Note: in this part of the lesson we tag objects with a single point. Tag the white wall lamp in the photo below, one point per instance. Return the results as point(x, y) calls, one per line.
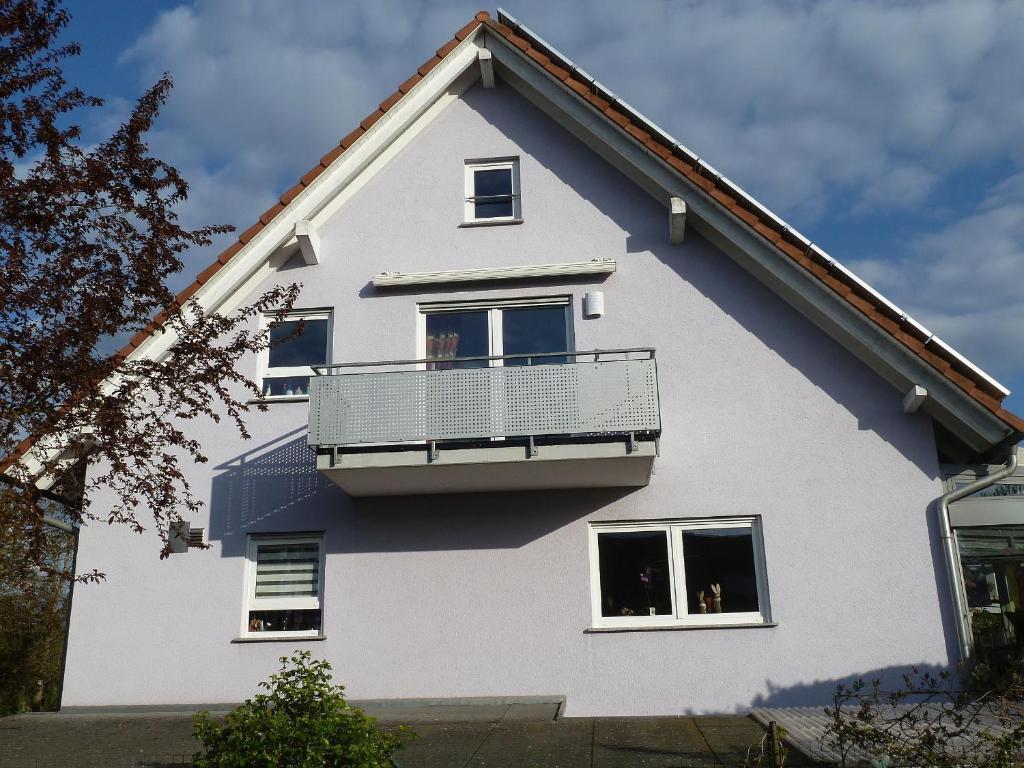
point(593, 304)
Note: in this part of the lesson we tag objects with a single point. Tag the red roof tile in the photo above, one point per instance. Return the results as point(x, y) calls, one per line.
point(331, 156)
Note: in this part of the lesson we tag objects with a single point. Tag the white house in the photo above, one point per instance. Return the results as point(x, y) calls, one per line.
point(572, 416)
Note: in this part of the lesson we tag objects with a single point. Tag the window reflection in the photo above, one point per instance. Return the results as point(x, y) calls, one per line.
point(494, 183)
point(307, 348)
point(535, 329)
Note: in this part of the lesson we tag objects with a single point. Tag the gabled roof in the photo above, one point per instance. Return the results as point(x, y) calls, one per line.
point(898, 326)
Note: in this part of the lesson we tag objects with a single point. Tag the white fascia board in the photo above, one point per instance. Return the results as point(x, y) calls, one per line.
point(595, 267)
point(873, 345)
point(738, 191)
point(231, 284)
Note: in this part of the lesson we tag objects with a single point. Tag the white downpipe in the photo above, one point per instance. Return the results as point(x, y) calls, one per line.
point(952, 556)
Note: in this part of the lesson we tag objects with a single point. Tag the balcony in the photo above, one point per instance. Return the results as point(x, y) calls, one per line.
point(482, 424)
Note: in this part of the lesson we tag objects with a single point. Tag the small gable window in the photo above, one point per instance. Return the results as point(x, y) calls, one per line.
point(288, 364)
point(492, 191)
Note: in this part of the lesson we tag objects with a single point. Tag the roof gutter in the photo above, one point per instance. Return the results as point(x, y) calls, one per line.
point(952, 557)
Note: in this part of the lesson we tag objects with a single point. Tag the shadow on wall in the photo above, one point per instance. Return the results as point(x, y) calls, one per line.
point(819, 693)
point(276, 488)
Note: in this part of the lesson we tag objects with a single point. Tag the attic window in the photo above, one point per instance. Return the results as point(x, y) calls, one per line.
point(492, 191)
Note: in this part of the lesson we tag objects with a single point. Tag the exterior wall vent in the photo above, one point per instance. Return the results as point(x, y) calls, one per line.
point(182, 536)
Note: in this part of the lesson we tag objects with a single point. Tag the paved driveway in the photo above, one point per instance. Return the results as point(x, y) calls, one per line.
point(459, 736)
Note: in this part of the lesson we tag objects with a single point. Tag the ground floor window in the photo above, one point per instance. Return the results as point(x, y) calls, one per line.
point(700, 571)
point(284, 585)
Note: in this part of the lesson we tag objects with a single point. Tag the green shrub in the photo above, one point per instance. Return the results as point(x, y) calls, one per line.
point(943, 720)
point(301, 721)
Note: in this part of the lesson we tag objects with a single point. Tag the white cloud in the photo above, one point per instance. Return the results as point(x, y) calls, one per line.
point(964, 280)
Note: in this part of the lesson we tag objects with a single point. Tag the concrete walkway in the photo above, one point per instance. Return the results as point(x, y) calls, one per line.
point(481, 736)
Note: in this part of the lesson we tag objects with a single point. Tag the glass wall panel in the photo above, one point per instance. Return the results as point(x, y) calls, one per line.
point(993, 576)
point(999, 490)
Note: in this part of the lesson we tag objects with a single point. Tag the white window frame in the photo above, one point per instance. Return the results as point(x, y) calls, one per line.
point(493, 308)
point(266, 372)
point(253, 603)
point(469, 211)
point(680, 617)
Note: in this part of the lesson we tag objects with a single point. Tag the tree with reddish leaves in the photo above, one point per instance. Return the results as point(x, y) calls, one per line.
point(88, 240)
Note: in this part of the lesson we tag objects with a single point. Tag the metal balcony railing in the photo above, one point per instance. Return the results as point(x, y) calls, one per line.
point(601, 392)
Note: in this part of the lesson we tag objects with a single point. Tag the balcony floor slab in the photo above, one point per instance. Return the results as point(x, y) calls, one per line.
point(488, 469)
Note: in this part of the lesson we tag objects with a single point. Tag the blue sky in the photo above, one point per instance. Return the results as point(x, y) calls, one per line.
point(891, 133)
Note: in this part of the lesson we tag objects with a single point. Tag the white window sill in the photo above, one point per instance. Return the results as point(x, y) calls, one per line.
point(277, 638)
point(677, 627)
point(489, 223)
point(280, 399)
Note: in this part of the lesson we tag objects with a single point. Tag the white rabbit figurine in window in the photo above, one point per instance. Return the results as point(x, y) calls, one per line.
point(700, 602)
point(716, 598)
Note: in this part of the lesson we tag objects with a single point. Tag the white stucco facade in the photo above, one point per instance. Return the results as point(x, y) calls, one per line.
point(489, 594)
